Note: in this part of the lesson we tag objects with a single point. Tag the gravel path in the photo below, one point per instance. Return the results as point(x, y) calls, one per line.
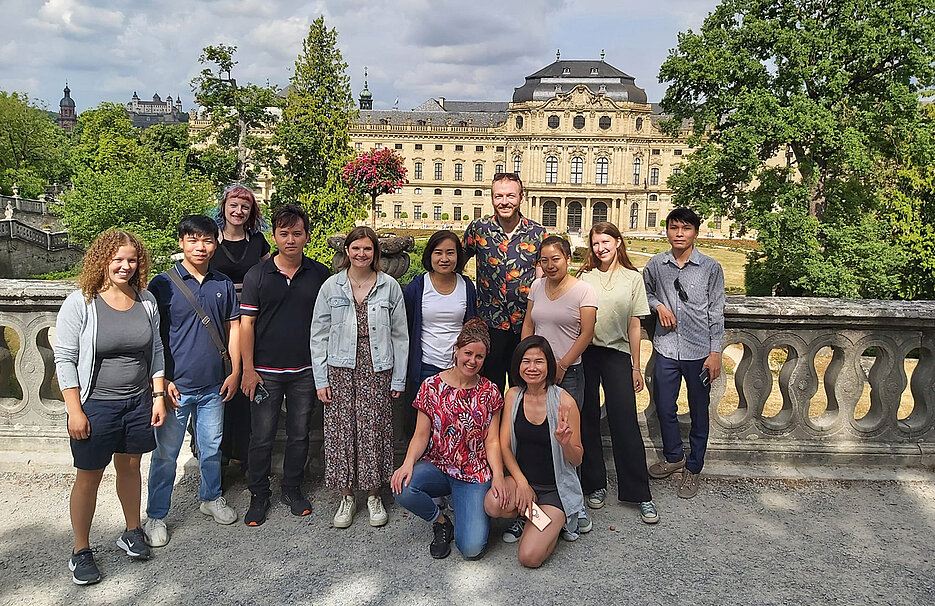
point(739, 542)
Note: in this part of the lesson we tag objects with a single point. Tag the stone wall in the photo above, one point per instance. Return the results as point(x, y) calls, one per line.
point(869, 341)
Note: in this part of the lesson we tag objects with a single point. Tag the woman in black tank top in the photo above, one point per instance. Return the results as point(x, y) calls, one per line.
point(532, 463)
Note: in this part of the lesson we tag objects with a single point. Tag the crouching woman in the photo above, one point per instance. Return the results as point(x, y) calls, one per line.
point(540, 443)
point(456, 430)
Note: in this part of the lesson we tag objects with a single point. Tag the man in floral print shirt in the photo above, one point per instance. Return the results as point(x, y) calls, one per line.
point(507, 248)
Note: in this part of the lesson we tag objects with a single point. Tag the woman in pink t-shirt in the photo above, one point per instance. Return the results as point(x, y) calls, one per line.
point(455, 449)
point(562, 309)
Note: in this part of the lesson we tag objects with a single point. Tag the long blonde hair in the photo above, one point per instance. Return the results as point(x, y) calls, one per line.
point(592, 262)
point(93, 278)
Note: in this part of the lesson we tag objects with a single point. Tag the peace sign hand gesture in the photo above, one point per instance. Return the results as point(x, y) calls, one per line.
point(563, 433)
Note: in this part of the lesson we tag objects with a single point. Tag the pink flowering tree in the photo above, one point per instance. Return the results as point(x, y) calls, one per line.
point(375, 172)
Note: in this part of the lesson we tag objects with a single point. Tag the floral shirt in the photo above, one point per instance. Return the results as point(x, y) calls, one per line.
point(460, 420)
point(506, 267)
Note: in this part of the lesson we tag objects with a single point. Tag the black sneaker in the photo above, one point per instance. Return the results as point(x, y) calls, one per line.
point(256, 514)
point(84, 570)
point(296, 501)
point(441, 544)
point(134, 543)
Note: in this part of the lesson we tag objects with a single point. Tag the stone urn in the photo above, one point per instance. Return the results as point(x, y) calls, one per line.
point(394, 253)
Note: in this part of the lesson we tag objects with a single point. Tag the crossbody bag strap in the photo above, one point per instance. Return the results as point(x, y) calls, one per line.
point(200, 312)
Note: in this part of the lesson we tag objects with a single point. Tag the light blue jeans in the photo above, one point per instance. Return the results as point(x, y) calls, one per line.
point(206, 407)
point(472, 525)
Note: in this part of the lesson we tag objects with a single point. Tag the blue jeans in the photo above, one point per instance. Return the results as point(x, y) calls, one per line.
point(206, 408)
point(467, 499)
point(573, 383)
point(428, 371)
point(667, 379)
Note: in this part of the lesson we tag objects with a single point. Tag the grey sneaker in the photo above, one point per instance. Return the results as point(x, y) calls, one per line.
point(515, 531)
point(648, 512)
point(570, 536)
point(134, 543)
point(584, 523)
point(689, 486)
point(83, 569)
point(596, 499)
point(664, 469)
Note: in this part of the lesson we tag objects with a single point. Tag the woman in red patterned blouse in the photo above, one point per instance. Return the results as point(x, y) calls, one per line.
point(455, 449)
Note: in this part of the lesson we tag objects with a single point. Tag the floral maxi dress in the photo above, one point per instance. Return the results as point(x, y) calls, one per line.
point(358, 423)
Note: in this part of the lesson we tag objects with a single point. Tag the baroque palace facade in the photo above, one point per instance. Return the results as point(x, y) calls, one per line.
point(581, 134)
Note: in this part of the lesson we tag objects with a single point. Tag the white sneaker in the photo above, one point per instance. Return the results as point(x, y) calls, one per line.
point(155, 532)
point(378, 515)
point(219, 510)
point(346, 510)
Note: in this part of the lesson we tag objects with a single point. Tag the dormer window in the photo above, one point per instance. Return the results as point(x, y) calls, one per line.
point(593, 71)
point(566, 71)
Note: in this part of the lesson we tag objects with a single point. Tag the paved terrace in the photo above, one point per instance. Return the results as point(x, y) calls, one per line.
point(741, 541)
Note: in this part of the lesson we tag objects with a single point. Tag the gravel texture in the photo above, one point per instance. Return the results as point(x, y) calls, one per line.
point(740, 541)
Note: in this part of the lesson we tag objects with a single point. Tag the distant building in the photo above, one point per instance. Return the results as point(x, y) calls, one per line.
point(146, 113)
point(67, 118)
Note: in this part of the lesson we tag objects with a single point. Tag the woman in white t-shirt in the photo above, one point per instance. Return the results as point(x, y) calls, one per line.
point(438, 303)
point(613, 360)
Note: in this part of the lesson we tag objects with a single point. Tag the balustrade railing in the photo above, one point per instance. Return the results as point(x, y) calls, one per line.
point(806, 380)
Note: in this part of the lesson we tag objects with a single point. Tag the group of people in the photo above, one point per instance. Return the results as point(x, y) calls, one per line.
point(226, 336)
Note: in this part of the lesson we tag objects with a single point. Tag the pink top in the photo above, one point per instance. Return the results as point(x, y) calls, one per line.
point(460, 420)
point(559, 321)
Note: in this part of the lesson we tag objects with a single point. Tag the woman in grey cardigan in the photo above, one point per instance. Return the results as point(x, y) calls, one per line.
point(540, 442)
point(108, 358)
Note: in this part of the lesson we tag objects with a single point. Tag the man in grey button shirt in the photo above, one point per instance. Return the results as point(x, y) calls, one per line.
point(686, 289)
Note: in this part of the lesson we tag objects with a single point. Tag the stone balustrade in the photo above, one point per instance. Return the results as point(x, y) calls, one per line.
point(869, 344)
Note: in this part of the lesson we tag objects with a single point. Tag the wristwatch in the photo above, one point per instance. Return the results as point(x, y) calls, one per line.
point(159, 394)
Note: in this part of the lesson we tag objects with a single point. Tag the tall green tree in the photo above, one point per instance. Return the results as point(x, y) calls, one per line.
point(105, 138)
point(312, 140)
point(33, 149)
point(797, 109)
point(239, 114)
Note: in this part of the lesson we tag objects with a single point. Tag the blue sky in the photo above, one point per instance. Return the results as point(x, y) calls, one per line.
point(413, 49)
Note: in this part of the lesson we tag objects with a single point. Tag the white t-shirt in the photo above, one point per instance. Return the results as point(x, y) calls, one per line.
point(559, 321)
point(442, 319)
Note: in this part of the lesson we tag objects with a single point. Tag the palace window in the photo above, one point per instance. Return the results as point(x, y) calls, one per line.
point(677, 152)
point(635, 216)
point(417, 173)
point(457, 213)
point(478, 193)
point(397, 211)
point(600, 173)
point(437, 215)
point(438, 148)
point(651, 219)
point(577, 168)
point(457, 192)
point(519, 122)
point(416, 211)
point(459, 148)
point(578, 122)
point(418, 146)
point(636, 171)
point(604, 122)
point(398, 146)
point(676, 170)
point(654, 176)
point(438, 191)
point(478, 172)
point(551, 169)
point(459, 171)
point(477, 212)
point(500, 148)
point(639, 124)
point(598, 213)
point(498, 168)
point(656, 152)
point(417, 191)
point(517, 164)
point(553, 121)
point(549, 214)
point(438, 170)
point(479, 148)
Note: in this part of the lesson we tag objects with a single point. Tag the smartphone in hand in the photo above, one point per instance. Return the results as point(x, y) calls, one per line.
point(538, 517)
point(260, 394)
point(705, 377)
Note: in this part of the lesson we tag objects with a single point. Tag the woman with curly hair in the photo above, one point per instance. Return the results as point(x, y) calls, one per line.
point(108, 358)
point(241, 245)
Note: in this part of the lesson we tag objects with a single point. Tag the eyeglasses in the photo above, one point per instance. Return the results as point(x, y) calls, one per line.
point(507, 176)
point(682, 294)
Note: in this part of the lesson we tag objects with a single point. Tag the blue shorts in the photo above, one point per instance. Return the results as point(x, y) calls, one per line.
point(117, 426)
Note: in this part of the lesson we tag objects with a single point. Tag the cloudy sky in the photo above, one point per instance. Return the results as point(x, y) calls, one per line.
point(413, 49)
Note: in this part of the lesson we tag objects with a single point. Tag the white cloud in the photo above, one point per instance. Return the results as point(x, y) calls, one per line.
point(71, 18)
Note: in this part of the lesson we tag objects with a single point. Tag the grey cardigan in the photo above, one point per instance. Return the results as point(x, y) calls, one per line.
point(566, 478)
point(76, 342)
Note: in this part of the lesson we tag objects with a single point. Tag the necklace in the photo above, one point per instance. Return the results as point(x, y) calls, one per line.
point(363, 282)
point(557, 291)
point(609, 284)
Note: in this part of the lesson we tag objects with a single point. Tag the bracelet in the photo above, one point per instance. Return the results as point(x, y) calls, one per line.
point(159, 394)
point(562, 366)
point(638, 370)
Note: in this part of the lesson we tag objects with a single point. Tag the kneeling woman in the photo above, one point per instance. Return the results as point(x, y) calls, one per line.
point(540, 442)
point(456, 429)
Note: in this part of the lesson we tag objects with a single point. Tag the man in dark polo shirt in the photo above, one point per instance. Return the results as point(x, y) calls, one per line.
point(196, 381)
point(277, 302)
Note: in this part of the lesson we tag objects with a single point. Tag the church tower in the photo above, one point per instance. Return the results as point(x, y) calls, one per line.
point(67, 118)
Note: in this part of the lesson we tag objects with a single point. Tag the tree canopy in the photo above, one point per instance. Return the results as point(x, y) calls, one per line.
point(799, 110)
point(33, 149)
point(312, 144)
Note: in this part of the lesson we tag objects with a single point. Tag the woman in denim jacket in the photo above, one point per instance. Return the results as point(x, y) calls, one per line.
point(359, 345)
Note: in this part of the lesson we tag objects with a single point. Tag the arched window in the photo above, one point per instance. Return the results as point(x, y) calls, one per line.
point(600, 172)
point(549, 214)
point(653, 197)
point(636, 171)
point(635, 216)
point(598, 213)
point(517, 164)
point(438, 191)
point(498, 168)
point(577, 168)
point(519, 122)
point(574, 217)
point(457, 192)
point(438, 170)
point(478, 193)
point(418, 171)
point(551, 169)
point(654, 176)
point(639, 124)
point(417, 191)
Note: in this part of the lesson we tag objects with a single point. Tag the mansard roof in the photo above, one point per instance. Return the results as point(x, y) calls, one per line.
point(562, 76)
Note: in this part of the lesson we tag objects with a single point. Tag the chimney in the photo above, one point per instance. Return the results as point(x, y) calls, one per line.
point(441, 101)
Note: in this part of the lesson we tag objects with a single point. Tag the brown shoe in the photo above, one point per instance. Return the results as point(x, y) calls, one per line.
point(689, 485)
point(664, 469)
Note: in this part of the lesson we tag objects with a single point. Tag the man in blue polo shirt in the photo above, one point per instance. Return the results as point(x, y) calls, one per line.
point(197, 381)
point(278, 298)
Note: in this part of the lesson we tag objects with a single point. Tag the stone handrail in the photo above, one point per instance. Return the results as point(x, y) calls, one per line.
point(39, 207)
point(15, 229)
point(32, 414)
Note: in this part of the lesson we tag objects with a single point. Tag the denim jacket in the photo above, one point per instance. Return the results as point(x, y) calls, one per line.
point(334, 329)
